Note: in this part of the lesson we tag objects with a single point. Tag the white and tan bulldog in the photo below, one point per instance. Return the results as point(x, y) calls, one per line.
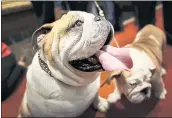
point(64, 76)
point(146, 74)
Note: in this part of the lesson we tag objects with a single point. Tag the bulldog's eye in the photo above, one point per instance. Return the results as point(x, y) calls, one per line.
point(133, 83)
point(78, 23)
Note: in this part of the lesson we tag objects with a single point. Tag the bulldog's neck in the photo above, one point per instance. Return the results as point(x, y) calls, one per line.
point(63, 74)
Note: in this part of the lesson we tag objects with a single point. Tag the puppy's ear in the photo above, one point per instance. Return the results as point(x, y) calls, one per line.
point(113, 75)
point(120, 76)
point(38, 36)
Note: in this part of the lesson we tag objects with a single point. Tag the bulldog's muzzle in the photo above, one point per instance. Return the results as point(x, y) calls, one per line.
point(92, 63)
point(138, 92)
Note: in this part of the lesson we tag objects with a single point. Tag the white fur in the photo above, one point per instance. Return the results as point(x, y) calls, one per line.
point(47, 97)
point(101, 104)
point(115, 95)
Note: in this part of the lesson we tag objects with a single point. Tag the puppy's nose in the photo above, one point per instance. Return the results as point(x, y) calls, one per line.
point(145, 91)
point(97, 18)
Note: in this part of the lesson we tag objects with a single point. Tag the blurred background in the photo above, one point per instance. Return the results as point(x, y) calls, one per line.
point(20, 19)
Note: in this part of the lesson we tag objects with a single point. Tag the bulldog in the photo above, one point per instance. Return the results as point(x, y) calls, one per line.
point(64, 76)
point(146, 74)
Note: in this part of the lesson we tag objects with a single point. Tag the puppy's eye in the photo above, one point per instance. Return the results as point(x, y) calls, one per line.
point(133, 83)
point(78, 23)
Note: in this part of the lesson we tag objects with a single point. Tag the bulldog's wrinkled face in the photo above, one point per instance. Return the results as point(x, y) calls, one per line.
point(135, 85)
point(138, 88)
point(74, 40)
point(90, 35)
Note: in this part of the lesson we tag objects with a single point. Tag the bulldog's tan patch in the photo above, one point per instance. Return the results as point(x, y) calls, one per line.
point(59, 30)
point(152, 41)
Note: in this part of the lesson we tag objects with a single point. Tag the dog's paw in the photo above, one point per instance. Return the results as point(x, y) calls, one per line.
point(101, 104)
point(19, 116)
point(163, 72)
point(161, 95)
point(112, 98)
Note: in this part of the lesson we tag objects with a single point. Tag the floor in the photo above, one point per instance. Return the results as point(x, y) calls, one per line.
point(150, 108)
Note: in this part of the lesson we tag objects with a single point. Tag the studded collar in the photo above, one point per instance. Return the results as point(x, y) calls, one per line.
point(44, 66)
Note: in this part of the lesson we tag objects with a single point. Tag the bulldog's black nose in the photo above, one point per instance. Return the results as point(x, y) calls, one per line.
point(145, 91)
point(97, 18)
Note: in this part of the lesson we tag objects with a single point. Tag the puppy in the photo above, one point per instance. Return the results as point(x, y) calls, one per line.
point(146, 74)
point(64, 76)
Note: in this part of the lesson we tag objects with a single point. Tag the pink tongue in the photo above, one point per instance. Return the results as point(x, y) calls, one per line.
point(113, 58)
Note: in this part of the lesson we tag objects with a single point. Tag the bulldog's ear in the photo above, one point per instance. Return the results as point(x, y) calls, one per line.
point(39, 35)
point(114, 75)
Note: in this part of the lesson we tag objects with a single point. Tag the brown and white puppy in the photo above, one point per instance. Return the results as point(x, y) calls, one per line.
point(64, 76)
point(146, 74)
